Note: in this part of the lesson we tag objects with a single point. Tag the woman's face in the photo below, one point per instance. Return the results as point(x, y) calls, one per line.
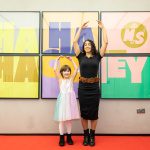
point(87, 47)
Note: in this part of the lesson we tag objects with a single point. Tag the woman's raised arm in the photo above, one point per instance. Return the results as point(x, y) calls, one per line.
point(104, 39)
point(75, 42)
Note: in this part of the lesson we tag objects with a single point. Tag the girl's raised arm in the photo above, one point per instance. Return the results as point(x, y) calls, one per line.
point(75, 67)
point(56, 68)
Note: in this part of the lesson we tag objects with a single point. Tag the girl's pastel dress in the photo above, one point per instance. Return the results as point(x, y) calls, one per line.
point(66, 105)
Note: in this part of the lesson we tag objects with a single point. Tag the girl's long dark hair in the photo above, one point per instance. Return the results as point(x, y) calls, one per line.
point(93, 47)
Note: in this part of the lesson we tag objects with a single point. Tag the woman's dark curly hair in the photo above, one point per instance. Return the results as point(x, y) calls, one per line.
point(93, 47)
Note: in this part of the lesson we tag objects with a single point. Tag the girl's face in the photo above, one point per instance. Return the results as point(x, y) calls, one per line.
point(87, 47)
point(66, 74)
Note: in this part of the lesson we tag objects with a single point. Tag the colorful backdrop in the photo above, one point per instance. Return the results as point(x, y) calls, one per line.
point(124, 73)
point(19, 76)
point(59, 29)
point(126, 77)
point(19, 32)
point(128, 32)
point(50, 88)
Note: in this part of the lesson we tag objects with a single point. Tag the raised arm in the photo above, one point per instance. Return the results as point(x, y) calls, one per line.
point(75, 42)
point(56, 68)
point(75, 67)
point(104, 39)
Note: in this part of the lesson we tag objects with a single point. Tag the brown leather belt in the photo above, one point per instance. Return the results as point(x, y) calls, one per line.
point(89, 80)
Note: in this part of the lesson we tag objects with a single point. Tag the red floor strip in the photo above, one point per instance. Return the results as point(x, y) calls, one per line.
point(51, 143)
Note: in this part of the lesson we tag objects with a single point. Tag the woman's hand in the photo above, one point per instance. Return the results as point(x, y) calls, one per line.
point(84, 25)
point(100, 24)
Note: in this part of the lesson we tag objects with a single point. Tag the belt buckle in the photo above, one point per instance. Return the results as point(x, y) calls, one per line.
point(85, 80)
point(90, 80)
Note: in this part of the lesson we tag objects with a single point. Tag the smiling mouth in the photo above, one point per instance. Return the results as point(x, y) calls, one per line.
point(88, 48)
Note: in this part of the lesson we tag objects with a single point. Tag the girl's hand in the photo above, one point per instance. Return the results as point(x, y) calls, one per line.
point(100, 24)
point(68, 57)
point(84, 25)
point(60, 57)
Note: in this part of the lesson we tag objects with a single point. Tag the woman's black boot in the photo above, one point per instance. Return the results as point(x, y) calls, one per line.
point(69, 139)
point(86, 137)
point(61, 140)
point(92, 137)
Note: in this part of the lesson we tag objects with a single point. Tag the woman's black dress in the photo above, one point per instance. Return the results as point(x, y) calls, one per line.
point(89, 93)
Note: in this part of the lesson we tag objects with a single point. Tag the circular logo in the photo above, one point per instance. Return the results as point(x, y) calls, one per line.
point(134, 34)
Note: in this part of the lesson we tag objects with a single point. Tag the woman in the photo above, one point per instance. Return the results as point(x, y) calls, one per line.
point(88, 91)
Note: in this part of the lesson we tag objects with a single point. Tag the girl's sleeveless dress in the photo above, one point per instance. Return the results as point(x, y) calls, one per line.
point(66, 106)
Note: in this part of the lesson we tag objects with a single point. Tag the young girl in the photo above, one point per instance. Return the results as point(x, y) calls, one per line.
point(66, 108)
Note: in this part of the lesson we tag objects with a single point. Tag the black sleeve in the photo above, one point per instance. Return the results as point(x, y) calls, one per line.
point(80, 56)
point(99, 56)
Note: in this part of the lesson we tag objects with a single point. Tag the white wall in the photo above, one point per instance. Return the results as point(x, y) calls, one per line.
point(36, 116)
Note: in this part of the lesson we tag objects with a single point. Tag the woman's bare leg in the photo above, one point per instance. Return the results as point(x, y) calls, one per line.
point(93, 124)
point(84, 123)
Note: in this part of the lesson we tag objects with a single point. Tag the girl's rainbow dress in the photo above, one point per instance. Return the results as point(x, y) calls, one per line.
point(66, 107)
